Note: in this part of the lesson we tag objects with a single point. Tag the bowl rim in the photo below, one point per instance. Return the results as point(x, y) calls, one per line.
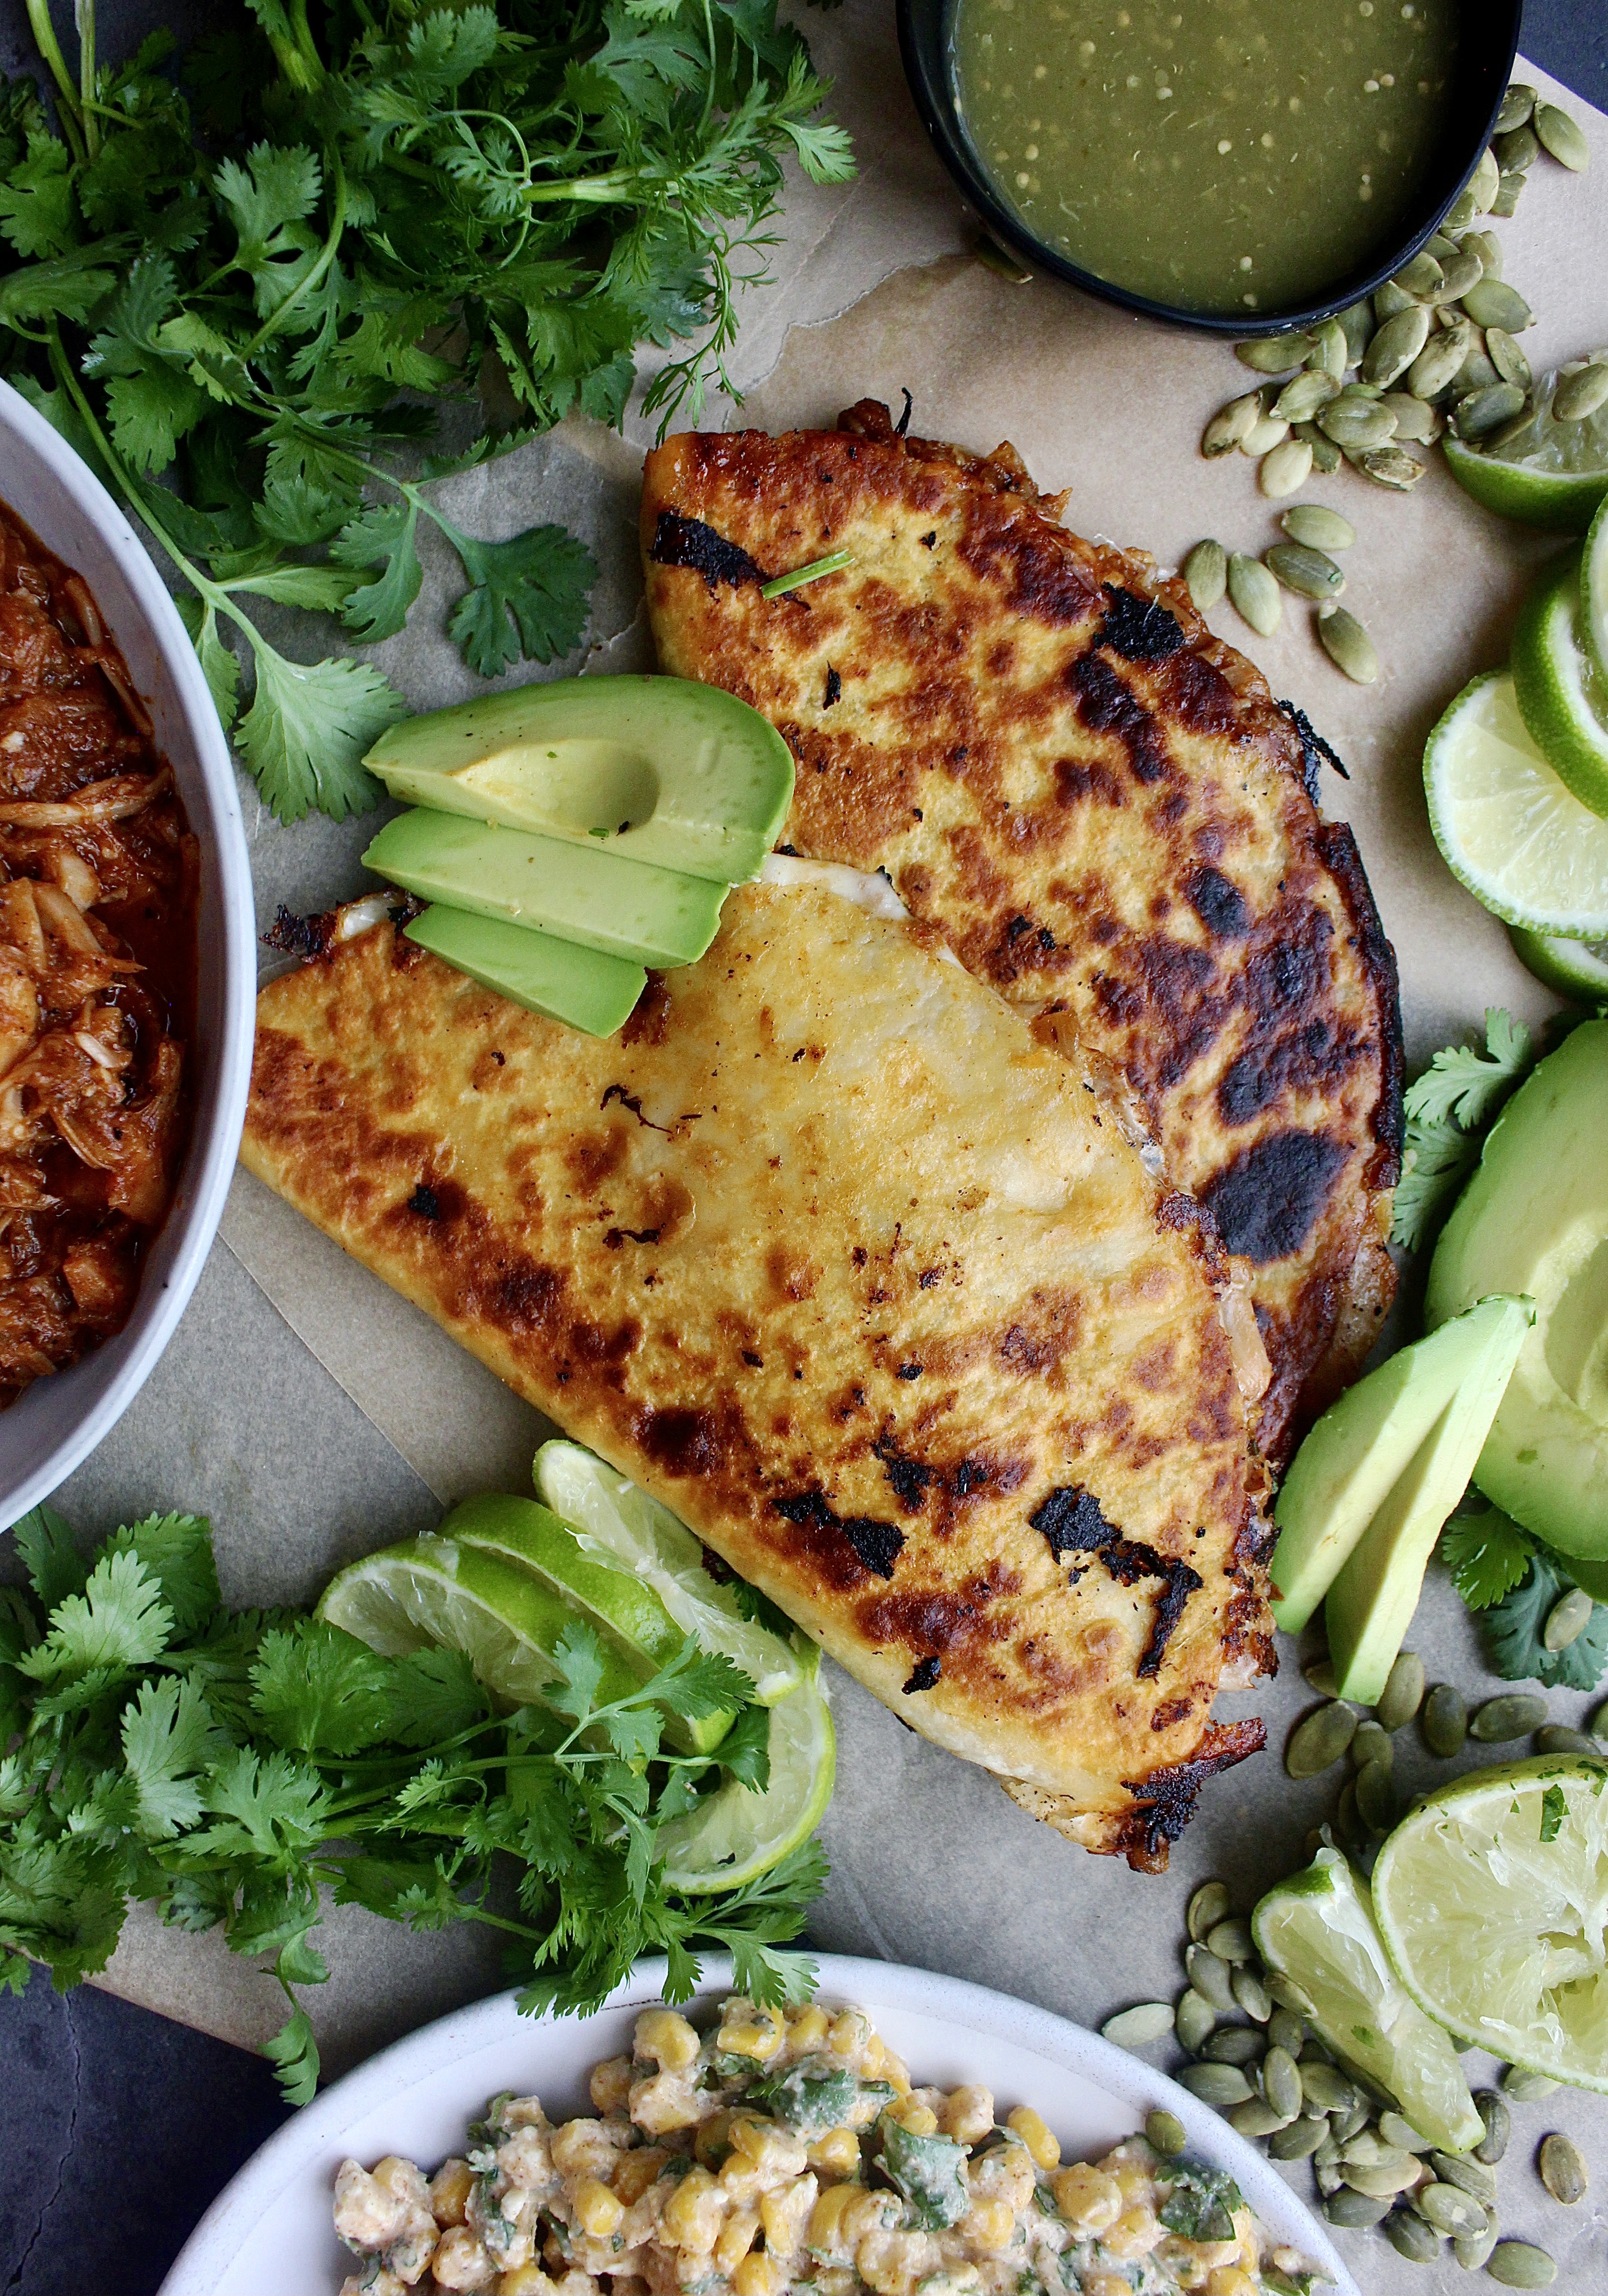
point(934, 102)
point(220, 1106)
point(302, 2149)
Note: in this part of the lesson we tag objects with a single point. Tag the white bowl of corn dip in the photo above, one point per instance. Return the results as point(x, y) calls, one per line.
point(905, 2135)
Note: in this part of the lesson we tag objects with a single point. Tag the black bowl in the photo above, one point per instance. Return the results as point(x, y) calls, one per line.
point(1490, 38)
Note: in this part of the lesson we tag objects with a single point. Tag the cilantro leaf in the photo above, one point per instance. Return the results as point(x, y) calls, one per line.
point(269, 1807)
point(176, 1550)
point(1200, 2201)
point(437, 1697)
point(38, 211)
point(119, 1620)
point(930, 2173)
point(307, 730)
point(44, 1545)
point(1487, 1555)
point(1513, 1631)
point(528, 596)
point(1448, 1111)
point(220, 667)
point(745, 1752)
point(294, 2054)
point(579, 1656)
point(316, 1688)
point(1554, 1810)
point(168, 1738)
point(381, 536)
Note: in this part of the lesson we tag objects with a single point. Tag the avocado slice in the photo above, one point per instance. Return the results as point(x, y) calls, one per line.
point(1344, 1471)
point(559, 978)
point(1371, 1604)
point(660, 769)
point(1534, 1218)
point(626, 908)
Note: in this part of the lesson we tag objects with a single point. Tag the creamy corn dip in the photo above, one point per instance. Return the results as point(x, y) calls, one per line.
point(1217, 155)
point(784, 2152)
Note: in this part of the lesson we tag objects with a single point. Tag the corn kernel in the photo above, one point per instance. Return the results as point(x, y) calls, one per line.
point(895, 2070)
point(848, 2034)
point(1029, 2126)
point(611, 2084)
point(1107, 2283)
point(838, 2152)
point(597, 2210)
point(756, 2276)
point(1090, 2199)
point(990, 2223)
point(759, 2035)
point(449, 2191)
point(666, 2037)
point(1228, 2280)
point(918, 2119)
point(826, 2226)
point(637, 2171)
point(1136, 2232)
point(967, 2112)
point(692, 2214)
point(784, 2213)
point(460, 2261)
point(807, 2028)
point(1133, 2180)
point(739, 2179)
point(751, 2136)
point(737, 2238)
point(525, 2280)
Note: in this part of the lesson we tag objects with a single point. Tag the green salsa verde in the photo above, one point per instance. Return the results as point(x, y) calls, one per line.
point(1223, 156)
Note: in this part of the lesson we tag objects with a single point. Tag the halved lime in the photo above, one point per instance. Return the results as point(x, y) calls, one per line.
point(1576, 968)
point(1319, 1929)
point(1552, 474)
point(624, 1526)
point(737, 1834)
point(1490, 1896)
point(1594, 588)
point(1561, 698)
point(1509, 830)
point(624, 1610)
point(429, 1591)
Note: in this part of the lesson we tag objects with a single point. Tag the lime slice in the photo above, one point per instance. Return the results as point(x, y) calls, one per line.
point(1490, 1897)
point(1552, 474)
point(1576, 968)
point(624, 1526)
point(1319, 1929)
point(1562, 699)
point(624, 1610)
point(433, 1591)
point(1509, 828)
point(737, 1834)
point(1594, 588)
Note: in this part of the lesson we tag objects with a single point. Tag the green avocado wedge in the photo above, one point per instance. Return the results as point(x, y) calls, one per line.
point(1371, 1604)
point(1345, 1471)
point(578, 893)
point(581, 986)
point(656, 769)
point(1534, 1218)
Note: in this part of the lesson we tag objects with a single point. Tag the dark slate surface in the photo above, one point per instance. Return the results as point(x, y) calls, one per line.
point(117, 2128)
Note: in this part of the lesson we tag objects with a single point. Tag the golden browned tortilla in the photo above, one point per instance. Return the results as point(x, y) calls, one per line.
point(830, 1255)
point(1101, 807)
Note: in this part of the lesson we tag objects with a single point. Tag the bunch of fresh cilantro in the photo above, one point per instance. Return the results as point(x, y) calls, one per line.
point(228, 1767)
point(246, 285)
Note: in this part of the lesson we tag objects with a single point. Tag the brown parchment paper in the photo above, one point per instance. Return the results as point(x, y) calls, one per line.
point(315, 1415)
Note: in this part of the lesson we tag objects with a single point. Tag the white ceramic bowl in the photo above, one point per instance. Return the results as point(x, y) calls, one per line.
point(269, 2231)
point(58, 1420)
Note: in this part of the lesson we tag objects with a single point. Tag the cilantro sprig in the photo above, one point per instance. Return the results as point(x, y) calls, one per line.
point(1449, 1109)
point(230, 1767)
point(250, 289)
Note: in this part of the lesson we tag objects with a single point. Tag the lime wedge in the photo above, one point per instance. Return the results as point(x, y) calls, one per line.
point(623, 1608)
point(1594, 590)
point(1319, 1929)
point(1490, 1898)
point(737, 1834)
point(1552, 474)
point(1576, 968)
point(1509, 830)
point(433, 1591)
point(624, 1526)
point(1562, 699)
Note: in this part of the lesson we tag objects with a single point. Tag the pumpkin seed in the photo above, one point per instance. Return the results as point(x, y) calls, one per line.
point(1145, 2021)
point(1516, 149)
point(1286, 469)
point(1256, 2117)
point(1305, 393)
point(1356, 424)
point(1366, 2149)
point(1348, 644)
point(1355, 2210)
point(1326, 454)
point(1450, 2209)
point(1440, 243)
point(1285, 2032)
point(1461, 213)
point(1320, 528)
point(1234, 2044)
point(1445, 1721)
point(1562, 2170)
point(1396, 344)
point(1209, 1904)
point(1562, 136)
point(1517, 104)
point(1520, 2264)
point(1416, 424)
point(1477, 372)
point(1521, 421)
point(1229, 425)
point(1230, 1941)
point(1578, 395)
point(1372, 1743)
point(1488, 247)
point(1319, 1672)
point(1252, 1995)
point(1486, 181)
point(1506, 357)
point(1493, 303)
point(1458, 273)
point(1282, 2083)
point(1275, 353)
point(1256, 600)
point(1506, 201)
point(1327, 2178)
point(1299, 2140)
point(1384, 2184)
point(1528, 2087)
point(1326, 2087)
point(1513, 1716)
point(1368, 393)
point(1192, 2019)
point(1556, 1739)
point(1410, 2237)
point(1347, 2125)
point(1377, 1798)
point(1499, 2125)
point(1359, 321)
point(1321, 1739)
point(1206, 578)
point(1403, 1693)
point(1487, 410)
point(1307, 572)
point(1210, 1977)
point(1401, 2134)
point(1388, 300)
point(1333, 354)
point(1220, 2086)
point(1267, 432)
point(1569, 1618)
point(1420, 277)
point(1468, 2176)
point(1439, 361)
point(1288, 1994)
point(1166, 2132)
point(1473, 2254)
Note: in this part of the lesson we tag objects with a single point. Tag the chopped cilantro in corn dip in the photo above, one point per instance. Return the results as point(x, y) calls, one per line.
point(789, 2151)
